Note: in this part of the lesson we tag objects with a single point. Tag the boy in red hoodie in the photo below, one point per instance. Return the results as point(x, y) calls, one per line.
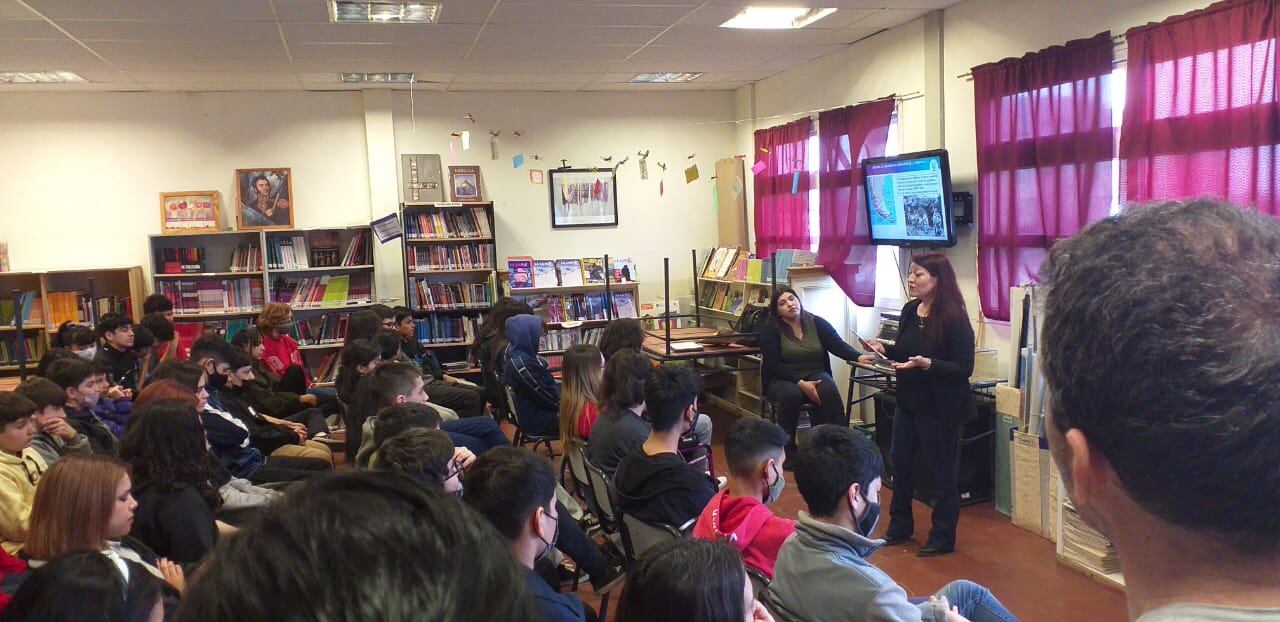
point(756, 451)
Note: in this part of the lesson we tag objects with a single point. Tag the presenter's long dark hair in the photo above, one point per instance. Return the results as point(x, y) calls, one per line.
point(948, 306)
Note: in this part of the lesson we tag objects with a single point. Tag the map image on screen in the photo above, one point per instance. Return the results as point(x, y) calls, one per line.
point(907, 200)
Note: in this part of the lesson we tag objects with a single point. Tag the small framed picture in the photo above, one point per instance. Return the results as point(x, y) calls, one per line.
point(190, 212)
point(264, 198)
point(583, 197)
point(464, 184)
point(536, 176)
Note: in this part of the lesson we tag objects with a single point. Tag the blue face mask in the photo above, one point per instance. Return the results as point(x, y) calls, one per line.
point(551, 544)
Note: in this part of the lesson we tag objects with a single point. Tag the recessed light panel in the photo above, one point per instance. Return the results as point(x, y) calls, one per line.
point(665, 78)
point(376, 78)
point(345, 12)
point(39, 77)
point(776, 18)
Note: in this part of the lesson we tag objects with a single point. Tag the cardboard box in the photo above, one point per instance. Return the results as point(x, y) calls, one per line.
point(1055, 501)
point(1009, 401)
point(1030, 483)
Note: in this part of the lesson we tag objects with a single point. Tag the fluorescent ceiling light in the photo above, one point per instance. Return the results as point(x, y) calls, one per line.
point(665, 78)
point(768, 17)
point(39, 77)
point(383, 12)
point(376, 78)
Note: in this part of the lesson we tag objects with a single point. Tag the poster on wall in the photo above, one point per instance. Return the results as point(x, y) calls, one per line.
point(583, 197)
point(264, 198)
point(421, 178)
point(464, 184)
point(190, 212)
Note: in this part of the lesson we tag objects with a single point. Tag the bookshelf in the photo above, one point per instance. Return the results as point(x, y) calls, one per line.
point(450, 280)
point(50, 298)
point(575, 314)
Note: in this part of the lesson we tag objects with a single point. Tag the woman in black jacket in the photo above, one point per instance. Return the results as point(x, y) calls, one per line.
point(795, 349)
point(934, 358)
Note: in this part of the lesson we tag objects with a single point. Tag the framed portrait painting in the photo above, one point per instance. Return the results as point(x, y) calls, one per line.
point(464, 184)
point(190, 212)
point(582, 197)
point(264, 199)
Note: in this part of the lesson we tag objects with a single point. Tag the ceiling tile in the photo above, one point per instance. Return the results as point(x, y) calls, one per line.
point(157, 10)
point(387, 53)
point(715, 36)
point(28, 29)
point(888, 18)
point(569, 35)
point(579, 65)
point(526, 78)
point(302, 10)
point(42, 55)
point(196, 33)
point(228, 77)
point(639, 65)
point(248, 53)
point(415, 65)
point(550, 52)
point(13, 10)
point(845, 36)
point(221, 86)
point(547, 14)
point(515, 86)
point(405, 34)
point(685, 54)
point(201, 64)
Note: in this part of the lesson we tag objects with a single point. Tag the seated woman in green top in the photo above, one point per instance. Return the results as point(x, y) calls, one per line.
point(795, 349)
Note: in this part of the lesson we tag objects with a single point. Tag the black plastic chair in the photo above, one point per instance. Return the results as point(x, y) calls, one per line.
point(522, 437)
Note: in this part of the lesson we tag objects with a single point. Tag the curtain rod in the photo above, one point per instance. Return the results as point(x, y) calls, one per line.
point(896, 98)
point(1117, 43)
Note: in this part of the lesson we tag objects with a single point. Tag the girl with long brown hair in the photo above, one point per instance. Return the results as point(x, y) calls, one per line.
point(933, 357)
point(579, 406)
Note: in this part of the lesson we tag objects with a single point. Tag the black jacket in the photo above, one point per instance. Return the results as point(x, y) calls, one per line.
point(265, 396)
point(661, 489)
point(176, 523)
point(942, 390)
point(101, 440)
point(123, 366)
point(264, 436)
point(772, 367)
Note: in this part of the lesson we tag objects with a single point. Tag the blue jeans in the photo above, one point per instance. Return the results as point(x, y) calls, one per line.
point(479, 434)
point(975, 602)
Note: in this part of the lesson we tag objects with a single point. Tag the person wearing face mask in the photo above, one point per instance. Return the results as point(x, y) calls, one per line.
point(78, 379)
point(654, 484)
point(740, 513)
point(823, 572)
point(80, 339)
point(515, 489)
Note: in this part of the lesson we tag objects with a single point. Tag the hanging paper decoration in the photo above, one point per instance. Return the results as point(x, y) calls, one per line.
point(466, 140)
point(795, 182)
point(737, 187)
point(690, 156)
point(517, 160)
point(518, 133)
point(691, 174)
point(659, 187)
point(758, 167)
point(662, 166)
point(620, 163)
point(644, 164)
point(470, 117)
point(493, 144)
point(607, 158)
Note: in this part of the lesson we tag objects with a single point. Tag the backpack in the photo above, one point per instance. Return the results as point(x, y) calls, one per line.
point(749, 323)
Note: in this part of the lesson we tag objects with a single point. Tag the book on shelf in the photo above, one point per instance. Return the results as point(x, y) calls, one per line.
point(447, 222)
point(568, 307)
point(767, 273)
point(359, 251)
point(438, 329)
point(544, 273)
point(451, 257)
point(327, 371)
point(246, 258)
point(593, 270)
point(443, 296)
point(570, 271)
point(754, 273)
point(565, 338)
point(186, 260)
point(624, 305)
point(329, 290)
point(520, 272)
point(286, 252)
point(327, 329)
point(735, 302)
point(740, 269)
point(727, 264)
point(213, 295)
point(713, 261)
point(624, 270)
point(35, 347)
point(75, 306)
point(29, 306)
point(324, 248)
point(757, 295)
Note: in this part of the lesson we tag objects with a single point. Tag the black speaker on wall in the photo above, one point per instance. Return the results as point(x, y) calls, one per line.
point(962, 207)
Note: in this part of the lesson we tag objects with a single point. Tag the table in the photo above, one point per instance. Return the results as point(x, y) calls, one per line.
point(656, 345)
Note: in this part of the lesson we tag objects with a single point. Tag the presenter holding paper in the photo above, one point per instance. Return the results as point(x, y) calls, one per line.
point(933, 358)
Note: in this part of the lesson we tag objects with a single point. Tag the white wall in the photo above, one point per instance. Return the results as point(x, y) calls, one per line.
point(82, 172)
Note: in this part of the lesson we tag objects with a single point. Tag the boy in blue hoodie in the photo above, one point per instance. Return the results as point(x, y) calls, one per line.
point(537, 396)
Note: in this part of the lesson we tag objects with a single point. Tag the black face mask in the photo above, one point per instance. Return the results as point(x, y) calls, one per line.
point(217, 382)
point(867, 523)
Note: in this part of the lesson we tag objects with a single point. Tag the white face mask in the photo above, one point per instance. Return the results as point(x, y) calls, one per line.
point(88, 353)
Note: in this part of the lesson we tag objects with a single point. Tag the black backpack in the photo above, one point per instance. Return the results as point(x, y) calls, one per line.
point(749, 323)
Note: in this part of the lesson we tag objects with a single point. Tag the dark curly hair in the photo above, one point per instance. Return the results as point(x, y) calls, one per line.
point(625, 333)
point(165, 444)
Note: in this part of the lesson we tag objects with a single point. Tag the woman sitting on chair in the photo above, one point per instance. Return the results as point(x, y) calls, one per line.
point(795, 349)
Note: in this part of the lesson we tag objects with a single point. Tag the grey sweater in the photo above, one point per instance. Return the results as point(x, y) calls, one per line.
point(52, 447)
point(822, 575)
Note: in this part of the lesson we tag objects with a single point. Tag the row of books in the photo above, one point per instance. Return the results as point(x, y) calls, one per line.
point(329, 290)
point(213, 296)
point(448, 222)
point(326, 329)
point(35, 347)
point(726, 263)
point(184, 260)
point(28, 305)
point(327, 371)
point(527, 272)
point(731, 297)
point(442, 329)
point(187, 331)
point(563, 339)
point(289, 251)
point(76, 307)
point(451, 257)
point(580, 307)
point(441, 296)
point(246, 258)
point(1085, 546)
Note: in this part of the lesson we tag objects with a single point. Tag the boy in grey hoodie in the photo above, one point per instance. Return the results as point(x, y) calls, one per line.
point(54, 436)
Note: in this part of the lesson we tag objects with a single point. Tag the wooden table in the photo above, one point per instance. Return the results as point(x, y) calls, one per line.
point(655, 345)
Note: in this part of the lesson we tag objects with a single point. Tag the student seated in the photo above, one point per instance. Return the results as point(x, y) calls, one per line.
point(79, 339)
point(398, 383)
point(359, 357)
point(823, 573)
point(660, 585)
point(393, 420)
point(13, 571)
point(79, 382)
point(739, 514)
point(158, 303)
point(535, 391)
point(116, 333)
point(87, 585)
point(20, 469)
point(165, 450)
point(425, 454)
point(583, 367)
point(166, 345)
point(54, 437)
point(269, 435)
point(654, 484)
point(489, 350)
point(114, 404)
point(229, 438)
point(465, 398)
point(516, 490)
point(84, 503)
point(408, 535)
point(1159, 337)
point(264, 392)
point(621, 428)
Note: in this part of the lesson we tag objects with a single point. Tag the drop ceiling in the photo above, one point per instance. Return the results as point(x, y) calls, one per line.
point(478, 45)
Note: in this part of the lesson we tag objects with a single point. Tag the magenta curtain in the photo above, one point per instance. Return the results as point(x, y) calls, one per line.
point(1202, 115)
point(782, 216)
point(1045, 150)
point(846, 136)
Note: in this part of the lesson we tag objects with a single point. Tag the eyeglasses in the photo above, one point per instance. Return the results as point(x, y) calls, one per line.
point(455, 470)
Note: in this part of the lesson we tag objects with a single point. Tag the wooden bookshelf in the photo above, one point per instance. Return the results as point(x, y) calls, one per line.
point(471, 228)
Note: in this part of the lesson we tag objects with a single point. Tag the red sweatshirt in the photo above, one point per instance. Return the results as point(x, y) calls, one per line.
point(281, 353)
point(749, 525)
point(9, 565)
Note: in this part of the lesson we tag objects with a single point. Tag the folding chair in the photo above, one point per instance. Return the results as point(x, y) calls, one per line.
point(522, 437)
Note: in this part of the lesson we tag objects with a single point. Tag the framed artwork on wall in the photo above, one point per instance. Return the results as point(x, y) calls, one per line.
point(190, 212)
point(264, 198)
point(536, 176)
point(464, 184)
point(583, 197)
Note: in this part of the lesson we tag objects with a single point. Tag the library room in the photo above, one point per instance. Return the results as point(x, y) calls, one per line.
point(639, 310)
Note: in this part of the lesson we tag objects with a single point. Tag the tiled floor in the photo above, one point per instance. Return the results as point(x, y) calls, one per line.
point(1017, 566)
